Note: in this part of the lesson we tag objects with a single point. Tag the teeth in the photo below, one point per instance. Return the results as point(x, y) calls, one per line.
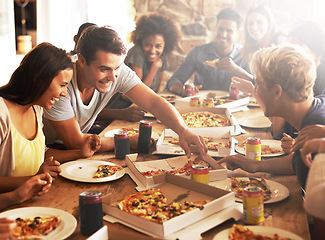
point(56, 99)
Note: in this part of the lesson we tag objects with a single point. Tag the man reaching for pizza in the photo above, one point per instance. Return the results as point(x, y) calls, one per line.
point(98, 74)
point(284, 82)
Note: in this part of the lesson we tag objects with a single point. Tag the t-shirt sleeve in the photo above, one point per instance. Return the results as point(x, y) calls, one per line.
point(128, 79)
point(135, 57)
point(60, 111)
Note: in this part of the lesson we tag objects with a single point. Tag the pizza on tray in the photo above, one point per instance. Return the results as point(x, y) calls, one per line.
point(151, 204)
point(265, 149)
point(204, 119)
point(130, 131)
point(169, 98)
point(220, 101)
point(238, 185)
point(211, 144)
point(212, 63)
point(239, 232)
point(35, 228)
point(106, 170)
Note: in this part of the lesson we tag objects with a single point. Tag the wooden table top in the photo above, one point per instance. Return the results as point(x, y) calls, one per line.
point(288, 214)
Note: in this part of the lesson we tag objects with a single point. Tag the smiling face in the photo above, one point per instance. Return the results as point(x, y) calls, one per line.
point(57, 89)
point(226, 34)
point(103, 71)
point(153, 47)
point(257, 26)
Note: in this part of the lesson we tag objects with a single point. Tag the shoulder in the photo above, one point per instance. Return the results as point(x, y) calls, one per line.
point(5, 123)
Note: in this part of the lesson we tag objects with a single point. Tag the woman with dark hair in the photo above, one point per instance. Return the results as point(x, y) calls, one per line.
point(155, 36)
point(39, 81)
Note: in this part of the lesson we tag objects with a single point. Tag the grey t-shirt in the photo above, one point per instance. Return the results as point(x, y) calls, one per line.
point(72, 105)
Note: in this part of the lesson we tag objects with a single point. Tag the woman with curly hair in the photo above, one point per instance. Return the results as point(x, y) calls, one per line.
point(154, 37)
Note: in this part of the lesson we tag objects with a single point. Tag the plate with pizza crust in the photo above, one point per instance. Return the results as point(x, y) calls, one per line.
point(272, 146)
point(265, 231)
point(279, 192)
point(66, 227)
point(255, 122)
point(111, 133)
point(84, 171)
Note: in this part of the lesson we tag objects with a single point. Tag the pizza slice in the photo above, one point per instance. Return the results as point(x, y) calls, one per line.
point(131, 131)
point(212, 63)
point(35, 228)
point(106, 170)
point(216, 145)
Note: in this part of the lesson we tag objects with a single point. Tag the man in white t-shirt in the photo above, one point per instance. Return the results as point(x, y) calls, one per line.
point(98, 74)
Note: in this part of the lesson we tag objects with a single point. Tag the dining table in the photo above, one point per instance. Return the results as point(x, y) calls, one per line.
point(288, 214)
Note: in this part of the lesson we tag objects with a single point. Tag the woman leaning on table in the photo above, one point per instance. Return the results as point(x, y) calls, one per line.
point(40, 80)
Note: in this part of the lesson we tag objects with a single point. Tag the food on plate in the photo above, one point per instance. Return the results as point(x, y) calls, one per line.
point(265, 149)
point(106, 170)
point(151, 204)
point(131, 131)
point(220, 101)
point(212, 63)
point(169, 98)
point(238, 185)
point(204, 119)
point(186, 169)
point(239, 232)
point(35, 227)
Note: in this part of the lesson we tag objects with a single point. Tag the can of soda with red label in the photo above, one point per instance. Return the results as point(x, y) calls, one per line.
point(233, 92)
point(200, 173)
point(253, 148)
point(121, 144)
point(144, 139)
point(189, 89)
point(253, 205)
point(91, 212)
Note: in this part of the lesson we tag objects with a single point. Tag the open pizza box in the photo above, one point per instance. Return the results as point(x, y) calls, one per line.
point(234, 127)
point(165, 147)
point(137, 165)
point(176, 189)
point(242, 101)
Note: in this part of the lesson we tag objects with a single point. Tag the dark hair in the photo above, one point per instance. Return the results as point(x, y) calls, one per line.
point(83, 27)
point(230, 14)
point(154, 24)
point(311, 34)
point(35, 74)
point(96, 38)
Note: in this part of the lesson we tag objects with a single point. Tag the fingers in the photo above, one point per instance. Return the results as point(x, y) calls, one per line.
point(95, 142)
point(306, 157)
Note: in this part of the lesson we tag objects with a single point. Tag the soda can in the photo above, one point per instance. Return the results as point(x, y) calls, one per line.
point(144, 139)
point(121, 144)
point(233, 92)
point(200, 173)
point(253, 205)
point(253, 148)
point(208, 102)
point(189, 89)
point(195, 102)
point(91, 212)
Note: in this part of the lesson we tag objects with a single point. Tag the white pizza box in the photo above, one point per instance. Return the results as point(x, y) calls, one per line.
point(137, 164)
point(176, 189)
point(166, 148)
point(234, 127)
point(242, 101)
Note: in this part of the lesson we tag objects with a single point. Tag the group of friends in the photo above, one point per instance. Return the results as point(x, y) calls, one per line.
point(50, 92)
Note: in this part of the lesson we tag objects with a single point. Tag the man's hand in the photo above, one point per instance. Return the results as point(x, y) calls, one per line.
point(315, 145)
point(243, 85)
point(91, 145)
point(187, 138)
point(307, 133)
point(50, 166)
point(239, 161)
point(287, 142)
point(132, 114)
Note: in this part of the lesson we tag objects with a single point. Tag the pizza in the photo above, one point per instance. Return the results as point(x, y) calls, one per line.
point(239, 232)
point(238, 185)
point(130, 131)
point(176, 140)
point(34, 227)
point(186, 169)
point(220, 101)
point(169, 98)
point(151, 204)
point(216, 145)
point(106, 170)
point(265, 149)
point(212, 63)
point(204, 119)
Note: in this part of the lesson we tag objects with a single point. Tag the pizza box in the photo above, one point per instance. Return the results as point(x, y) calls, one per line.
point(163, 146)
point(176, 189)
point(234, 127)
point(242, 101)
point(137, 164)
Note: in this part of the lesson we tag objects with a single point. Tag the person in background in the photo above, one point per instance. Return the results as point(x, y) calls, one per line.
point(100, 73)
point(259, 30)
point(39, 81)
point(231, 62)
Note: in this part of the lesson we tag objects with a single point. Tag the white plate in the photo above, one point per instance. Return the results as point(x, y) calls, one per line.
point(111, 133)
point(255, 122)
point(66, 227)
point(275, 144)
point(279, 192)
point(84, 170)
point(266, 231)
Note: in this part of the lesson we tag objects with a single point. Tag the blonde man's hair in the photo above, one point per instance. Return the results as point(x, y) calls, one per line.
point(286, 65)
